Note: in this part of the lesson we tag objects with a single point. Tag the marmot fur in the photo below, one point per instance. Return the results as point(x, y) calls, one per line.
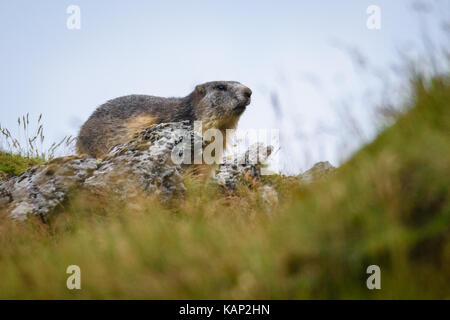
point(217, 104)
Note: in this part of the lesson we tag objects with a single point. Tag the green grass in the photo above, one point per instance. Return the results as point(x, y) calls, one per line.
point(388, 205)
point(12, 165)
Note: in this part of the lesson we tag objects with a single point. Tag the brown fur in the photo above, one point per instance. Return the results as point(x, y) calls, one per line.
point(138, 124)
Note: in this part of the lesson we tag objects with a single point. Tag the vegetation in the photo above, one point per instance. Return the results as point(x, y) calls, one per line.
point(19, 154)
point(28, 147)
point(11, 164)
point(389, 206)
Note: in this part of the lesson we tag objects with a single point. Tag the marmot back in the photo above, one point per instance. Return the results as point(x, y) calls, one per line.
point(217, 104)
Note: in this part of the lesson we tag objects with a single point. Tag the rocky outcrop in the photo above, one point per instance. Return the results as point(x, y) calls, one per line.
point(42, 188)
point(150, 165)
point(145, 165)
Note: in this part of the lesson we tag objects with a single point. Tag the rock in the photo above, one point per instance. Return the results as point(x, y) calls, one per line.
point(246, 167)
point(42, 188)
point(151, 164)
point(143, 165)
point(319, 171)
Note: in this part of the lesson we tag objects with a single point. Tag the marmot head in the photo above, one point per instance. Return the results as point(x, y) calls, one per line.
point(219, 104)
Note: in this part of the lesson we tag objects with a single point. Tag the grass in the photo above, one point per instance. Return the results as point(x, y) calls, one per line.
point(28, 142)
point(388, 205)
point(17, 154)
point(12, 164)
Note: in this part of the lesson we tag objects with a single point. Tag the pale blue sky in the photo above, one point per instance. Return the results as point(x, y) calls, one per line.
point(166, 47)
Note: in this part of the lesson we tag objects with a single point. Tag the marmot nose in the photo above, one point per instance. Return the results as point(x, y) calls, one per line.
point(247, 92)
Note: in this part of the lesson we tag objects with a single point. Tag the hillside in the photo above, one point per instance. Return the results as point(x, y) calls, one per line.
point(389, 205)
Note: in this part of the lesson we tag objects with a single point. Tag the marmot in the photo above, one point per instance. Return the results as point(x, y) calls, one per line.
point(218, 104)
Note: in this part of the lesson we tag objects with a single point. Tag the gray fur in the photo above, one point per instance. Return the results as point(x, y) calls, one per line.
point(109, 125)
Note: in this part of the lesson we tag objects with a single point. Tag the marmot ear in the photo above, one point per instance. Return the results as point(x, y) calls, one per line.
point(200, 89)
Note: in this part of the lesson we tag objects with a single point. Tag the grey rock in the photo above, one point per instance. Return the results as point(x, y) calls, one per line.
point(44, 187)
point(243, 167)
point(143, 165)
point(151, 164)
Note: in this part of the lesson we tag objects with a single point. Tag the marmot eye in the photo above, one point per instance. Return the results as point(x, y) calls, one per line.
point(221, 87)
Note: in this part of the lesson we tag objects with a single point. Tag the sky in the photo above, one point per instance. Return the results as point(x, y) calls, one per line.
point(300, 58)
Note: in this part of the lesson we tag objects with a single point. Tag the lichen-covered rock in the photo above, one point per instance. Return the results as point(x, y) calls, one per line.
point(246, 168)
point(42, 188)
point(144, 165)
point(151, 164)
point(243, 167)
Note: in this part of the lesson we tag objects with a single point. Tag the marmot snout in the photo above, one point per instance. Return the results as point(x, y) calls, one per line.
point(218, 104)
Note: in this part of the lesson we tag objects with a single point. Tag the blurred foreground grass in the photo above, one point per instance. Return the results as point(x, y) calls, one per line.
point(388, 205)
